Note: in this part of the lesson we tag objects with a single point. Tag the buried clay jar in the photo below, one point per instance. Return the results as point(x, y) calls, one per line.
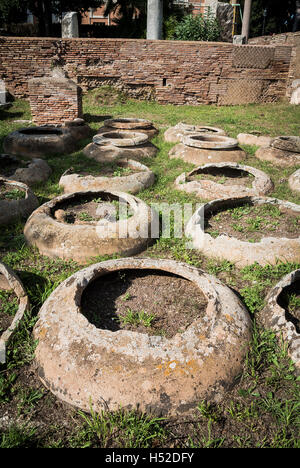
point(224, 180)
point(176, 133)
point(120, 144)
point(282, 314)
point(247, 230)
point(83, 225)
point(106, 365)
point(18, 301)
point(129, 125)
point(124, 175)
point(202, 149)
point(17, 201)
point(35, 142)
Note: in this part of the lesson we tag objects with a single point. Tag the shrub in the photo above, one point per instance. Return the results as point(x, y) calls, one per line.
point(197, 28)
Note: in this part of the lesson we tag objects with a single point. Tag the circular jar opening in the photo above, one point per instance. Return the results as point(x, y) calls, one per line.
point(10, 192)
point(41, 131)
point(224, 176)
point(251, 222)
point(144, 301)
point(289, 300)
point(90, 208)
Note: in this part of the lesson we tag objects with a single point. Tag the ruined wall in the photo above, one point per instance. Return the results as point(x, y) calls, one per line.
point(54, 99)
point(172, 72)
point(290, 39)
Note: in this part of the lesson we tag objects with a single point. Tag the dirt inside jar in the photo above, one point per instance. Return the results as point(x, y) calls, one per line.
point(11, 192)
point(224, 176)
point(103, 170)
point(91, 210)
point(8, 308)
point(289, 300)
point(146, 301)
point(253, 222)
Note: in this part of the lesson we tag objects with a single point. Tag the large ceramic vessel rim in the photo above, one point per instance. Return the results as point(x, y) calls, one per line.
point(247, 199)
point(128, 139)
point(204, 141)
point(128, 123)
point(82, 279)
point(18, 288)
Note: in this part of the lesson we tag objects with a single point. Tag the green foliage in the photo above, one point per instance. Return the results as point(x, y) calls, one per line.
point(197, 28)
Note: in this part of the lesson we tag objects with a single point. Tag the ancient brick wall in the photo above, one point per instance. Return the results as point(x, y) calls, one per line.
point(54, 100)
point(290, 39)
point(172, 72)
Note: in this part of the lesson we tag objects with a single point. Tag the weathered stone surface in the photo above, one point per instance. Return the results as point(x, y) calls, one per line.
point(294, 181)
point(109, 152)
point(287, 143)
point(129, 125)
point(121, 139)
point(11, 210)
point(277, 156)
point(49, 139)
point(253, 139)
point(274, 317)
point(202, 141)
point(295, 90)
point(268, 251)
point(132, 183)
point(10, 281)
point(82, 242)
point(210, 190)
point(225, 19)
point(36, 170)
point(69, 25)
point(87, 366)
point(200, 156)
point(175, 134)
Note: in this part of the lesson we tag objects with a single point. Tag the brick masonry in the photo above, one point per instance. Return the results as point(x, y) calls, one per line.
point(171, 72)
point(54, 100)
point(290, 39)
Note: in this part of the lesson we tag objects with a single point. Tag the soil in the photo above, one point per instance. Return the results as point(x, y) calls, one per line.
point(289, 299)
point(169, 302)
point(112, 170)
point(224, 176)
point(9, 192)
point(8, 308)
point(253, 222)
point(90, 211)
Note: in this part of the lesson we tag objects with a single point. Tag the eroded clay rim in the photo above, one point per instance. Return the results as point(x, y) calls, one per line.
point(294, 181)
point(217, 312)
point(203, 141)
point(274, 317)
point(200, 129)
point(128, 123)
point(125, 139)
point(17, 286)
point(215, 206)
point(261, 179)
point(141, 169)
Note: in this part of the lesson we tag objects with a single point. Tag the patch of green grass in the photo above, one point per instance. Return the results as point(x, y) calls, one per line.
point(262, 409)
point(136, 318)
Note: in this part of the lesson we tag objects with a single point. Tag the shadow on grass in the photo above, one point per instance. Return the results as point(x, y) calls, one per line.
point(89, 118)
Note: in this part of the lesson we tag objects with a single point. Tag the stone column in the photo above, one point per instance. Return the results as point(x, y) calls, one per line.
point(155, 19)
point(246, 19)
point(69, 25)
point(2, 93)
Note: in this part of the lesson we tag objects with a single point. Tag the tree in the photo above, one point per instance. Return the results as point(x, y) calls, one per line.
point(279, 16)
point(43, 10)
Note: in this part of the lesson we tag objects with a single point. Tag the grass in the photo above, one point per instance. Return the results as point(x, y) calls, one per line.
point(261, 410)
